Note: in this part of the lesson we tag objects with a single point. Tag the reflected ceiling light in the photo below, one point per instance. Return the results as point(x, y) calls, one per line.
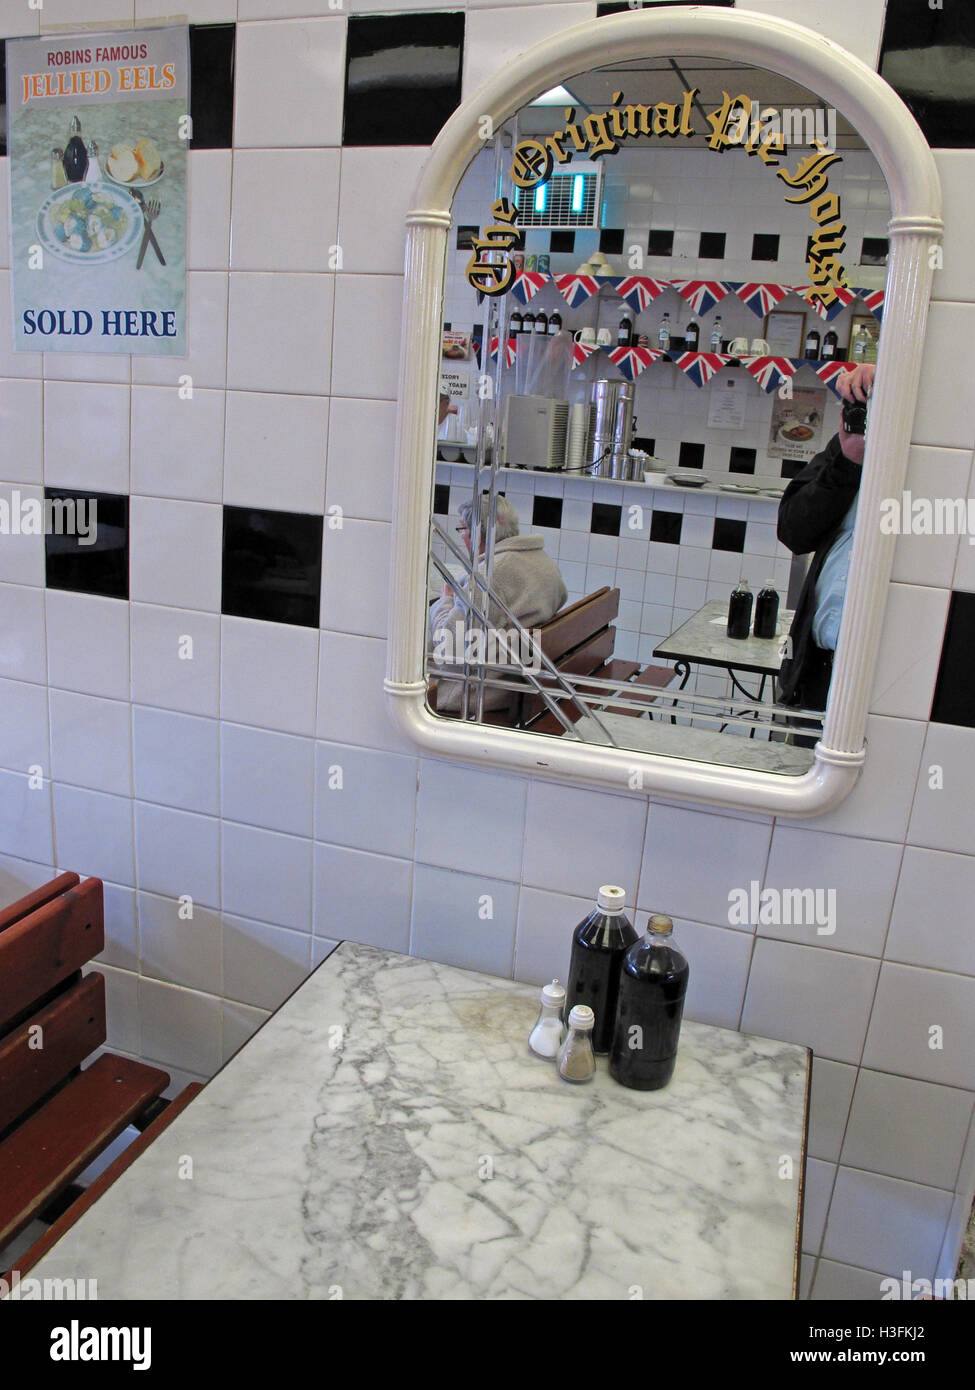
point(556, 96)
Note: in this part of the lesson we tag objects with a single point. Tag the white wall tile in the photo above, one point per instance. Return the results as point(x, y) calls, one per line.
point(931, 921)
point(21, 555)
point(13, 364)
point(206, 339)
point(64, 12)
point(369, 243)
point(208, 207)
point(787, 989)
point(18, 19)
point(719, 959)
point(91, 743)
point(543, 939)
point(175, 553)
point(88, 643)
point(267, 779)
point(945, 415)
point(355, 577)
point(818, 1190)
point(269, 674)
point(965, 567)
point(93, 834)
point(678, 842)
point(360, 453)
point(858, 29)
point(176, 659)
point(176, 759)
point(488, 837)
point(306, 182)
point(23, 653)
point(23, 726)
point(351, 702)
point(26, 817)
point(362, 897)
point(87, 367)
point(122, 1008)
point(262, 964)
point(892, 1123)
point(931, 474)
point(957, 170)
point(275, 451)
point(910, 651)
point(180, 1027)
point(883, 1223)
point(177, 444)
point(303, 64)
point(879, 805)
point(861, 874)
point(577, 840)
point(490, 46)
point(835, 1282)
point(267, 875)
point(365, 799)
point(280, 333)
point(910, 1003)
point(177, 853)
point(829, 1106)
point(240, 1023)
point(121, 927)
point(178, 949)
point(465, 920)
point(369, 308)
point(941, 818)
point(22, 429)
point(86, 436)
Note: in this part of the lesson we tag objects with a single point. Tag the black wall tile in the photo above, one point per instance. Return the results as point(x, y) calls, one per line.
point(742, 460)
point(644, 442)
point(387, 101)
point(611, 241)
point(622, 7)
point(272, 565)
point(606, 517)
point(666, 527)
point(954, 692)
point(660, 242)
point(691, 455)
point(729, 534)
point(3, 96)
point(874, 250)
point(712, 246)
point(212, 85)
point(765, 246)
point(547, 511)
point(791, 468)
point(563, 243)
point(465, 237)
point(926, 56)
point(101, 567)
point(441, 499)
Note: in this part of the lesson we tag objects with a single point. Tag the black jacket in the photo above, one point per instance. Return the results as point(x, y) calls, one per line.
point(810, 515)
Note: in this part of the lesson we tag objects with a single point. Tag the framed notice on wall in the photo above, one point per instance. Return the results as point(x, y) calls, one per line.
point(97, 133)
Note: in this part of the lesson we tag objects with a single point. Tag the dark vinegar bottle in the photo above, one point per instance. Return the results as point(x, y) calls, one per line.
point(599, 944)
point(650, 1005)
point(740, 610)
point(766, 611)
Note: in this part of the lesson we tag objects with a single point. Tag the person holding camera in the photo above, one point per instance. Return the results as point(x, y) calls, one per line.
point(817, 513)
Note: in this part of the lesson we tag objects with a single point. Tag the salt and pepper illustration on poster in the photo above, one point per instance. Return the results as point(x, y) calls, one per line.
point(98, 130)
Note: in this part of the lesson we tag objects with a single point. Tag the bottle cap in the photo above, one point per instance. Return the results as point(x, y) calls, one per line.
point(610, 898)
point(553, 993)
point(659, 925)
point(75, 126)
point(581, 1016)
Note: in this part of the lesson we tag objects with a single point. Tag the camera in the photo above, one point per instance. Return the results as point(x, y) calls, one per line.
point(854, 417)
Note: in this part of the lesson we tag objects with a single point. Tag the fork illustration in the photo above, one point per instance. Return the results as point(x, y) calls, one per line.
point(150, 211)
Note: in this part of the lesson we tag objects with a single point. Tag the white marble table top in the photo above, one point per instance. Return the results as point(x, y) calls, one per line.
point(704, 639)
point(702, 745)
point(387, 1134)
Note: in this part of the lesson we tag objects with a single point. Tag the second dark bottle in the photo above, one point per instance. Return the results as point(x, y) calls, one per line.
point(599, 943)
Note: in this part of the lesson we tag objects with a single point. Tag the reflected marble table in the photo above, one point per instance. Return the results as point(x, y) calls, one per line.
point(388, 1135)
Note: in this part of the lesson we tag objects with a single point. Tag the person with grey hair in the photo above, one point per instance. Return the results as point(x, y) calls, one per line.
point(526, 580)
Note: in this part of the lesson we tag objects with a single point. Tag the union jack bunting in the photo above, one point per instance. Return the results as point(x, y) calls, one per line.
point(527, 285)
point(770, 372)
point(510, 351)
point(639, 291)
point(576, 289)
point(632, 360)
point(829, 371)
point(872, 300)
point(760, 298)
point(581, 351)
point(844, 298)
point(700, 367)
point(701, 295)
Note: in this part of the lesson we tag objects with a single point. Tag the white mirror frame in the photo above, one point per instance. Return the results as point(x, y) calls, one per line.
point(897, 143)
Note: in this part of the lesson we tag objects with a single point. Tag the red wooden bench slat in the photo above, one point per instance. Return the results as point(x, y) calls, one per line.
point(104, 1180)
point(50, 943)
point(53, 1146)
point(32, 1063)
point(31, 901)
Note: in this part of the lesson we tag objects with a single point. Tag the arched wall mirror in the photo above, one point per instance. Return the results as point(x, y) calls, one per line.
point(650, 270)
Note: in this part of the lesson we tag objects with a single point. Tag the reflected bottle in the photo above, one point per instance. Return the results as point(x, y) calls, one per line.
point(599, 944)
point(766, 611)
point(740, 610)
point(653, 985)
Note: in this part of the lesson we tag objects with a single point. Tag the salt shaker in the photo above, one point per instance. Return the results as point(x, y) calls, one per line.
point(577, 1061)
point(548, 1034)
point(93, 173)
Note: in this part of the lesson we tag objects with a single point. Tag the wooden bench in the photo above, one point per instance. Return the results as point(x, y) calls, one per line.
point(55, 1117)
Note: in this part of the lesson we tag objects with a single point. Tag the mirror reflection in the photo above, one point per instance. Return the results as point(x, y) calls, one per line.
point(662, 308)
